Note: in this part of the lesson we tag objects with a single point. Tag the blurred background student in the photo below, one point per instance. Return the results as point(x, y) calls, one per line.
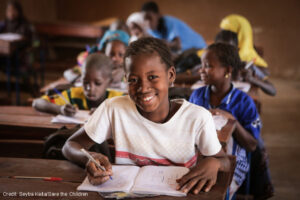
point(137, 26)
point(237, 31)
point(113, 44)
point(16, 24)
point(95, 78)
point(179, 35)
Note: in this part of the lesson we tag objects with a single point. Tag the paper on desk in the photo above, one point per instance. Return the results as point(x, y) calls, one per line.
point(220, 121)
point(80, 117)
point(10, 36)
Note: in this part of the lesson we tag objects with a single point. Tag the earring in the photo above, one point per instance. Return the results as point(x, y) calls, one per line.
point(227, 75)
point(172, 84)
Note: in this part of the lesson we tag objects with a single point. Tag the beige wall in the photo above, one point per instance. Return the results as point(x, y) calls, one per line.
point(276, 23)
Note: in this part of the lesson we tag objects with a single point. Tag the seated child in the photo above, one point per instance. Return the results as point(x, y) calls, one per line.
point(148, 128)
point(113, 44)
point(96, 77)
point(137, 26)
point(221, 62)
point(237, 31)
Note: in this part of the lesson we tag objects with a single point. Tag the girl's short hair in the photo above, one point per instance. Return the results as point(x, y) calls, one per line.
point(150, 45)
point(227, 55)
point(99, 62)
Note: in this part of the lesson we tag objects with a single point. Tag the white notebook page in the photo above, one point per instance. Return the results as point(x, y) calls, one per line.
point(159, 180)
point(122, 180)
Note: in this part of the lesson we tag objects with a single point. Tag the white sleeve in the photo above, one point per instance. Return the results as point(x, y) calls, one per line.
point(207, 140)
point(98, 127)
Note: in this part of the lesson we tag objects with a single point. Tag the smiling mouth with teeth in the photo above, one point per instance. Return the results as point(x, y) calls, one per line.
point(147, 98)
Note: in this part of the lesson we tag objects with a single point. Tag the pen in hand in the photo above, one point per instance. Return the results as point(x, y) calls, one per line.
point(93, 160)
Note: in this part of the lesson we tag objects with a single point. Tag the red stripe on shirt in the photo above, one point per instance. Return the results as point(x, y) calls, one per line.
point(142, 160)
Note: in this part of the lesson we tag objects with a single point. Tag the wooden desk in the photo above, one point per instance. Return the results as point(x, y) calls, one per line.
point(72, 176)
point(7, 47)
point(23, 131)
point(69, 29)
point(21, 110)
point(21, 122)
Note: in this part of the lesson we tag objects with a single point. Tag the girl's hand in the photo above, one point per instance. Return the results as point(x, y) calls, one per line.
point(203, 176)
point(224, 113)
point(95, 175)
point(68, 110)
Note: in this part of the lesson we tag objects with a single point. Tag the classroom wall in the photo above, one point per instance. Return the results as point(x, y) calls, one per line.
point(276, 23)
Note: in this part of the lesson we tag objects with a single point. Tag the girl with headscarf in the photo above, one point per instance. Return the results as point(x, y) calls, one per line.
point(137, 26)
point(237, 31)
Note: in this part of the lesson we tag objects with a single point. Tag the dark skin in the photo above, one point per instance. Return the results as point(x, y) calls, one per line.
point(149, 80)
point(94, 85)
point(248, 76)
point(265, 85)
point(148, 84)
point(153, 19)
point(219, 77)
point(116, 50)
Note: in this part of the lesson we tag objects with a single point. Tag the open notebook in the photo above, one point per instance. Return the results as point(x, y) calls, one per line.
point(151, 180)
point(80, 117)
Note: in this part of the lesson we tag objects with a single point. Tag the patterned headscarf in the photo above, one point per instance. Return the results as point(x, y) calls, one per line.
point(241, 26)
point(111, 36)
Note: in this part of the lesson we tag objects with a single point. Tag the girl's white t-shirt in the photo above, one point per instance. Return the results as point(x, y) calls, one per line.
point(140, 141)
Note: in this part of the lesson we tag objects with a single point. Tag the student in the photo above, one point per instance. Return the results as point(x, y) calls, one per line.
point(178, 35)
point(148, 128)
point(237, 31)
point(221, 62)
point(96, 77)
point(22, 57)
point(137, 26)
point(16, 22)
point(113, 44)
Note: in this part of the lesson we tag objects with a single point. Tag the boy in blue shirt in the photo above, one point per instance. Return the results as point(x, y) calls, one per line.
point(178, 34)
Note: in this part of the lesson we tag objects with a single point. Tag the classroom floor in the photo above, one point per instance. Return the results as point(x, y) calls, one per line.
point(281, 132)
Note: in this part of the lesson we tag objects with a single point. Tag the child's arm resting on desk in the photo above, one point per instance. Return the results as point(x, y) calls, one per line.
point(45, 106)
point(266, 86)
point(204, 174)
point(72, 152)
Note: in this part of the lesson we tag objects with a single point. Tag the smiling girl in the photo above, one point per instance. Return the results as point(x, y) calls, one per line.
point(221, 62)
point(148, 128)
